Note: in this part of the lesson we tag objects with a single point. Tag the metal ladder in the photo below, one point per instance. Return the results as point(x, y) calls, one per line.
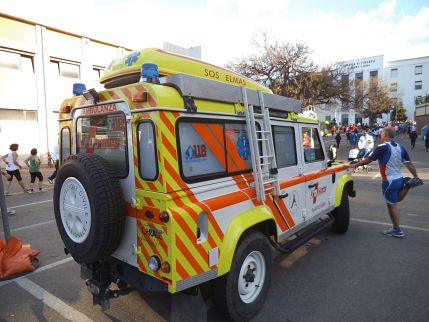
point(264, 165)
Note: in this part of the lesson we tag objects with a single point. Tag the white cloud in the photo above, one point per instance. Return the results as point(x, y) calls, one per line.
point(224, 28)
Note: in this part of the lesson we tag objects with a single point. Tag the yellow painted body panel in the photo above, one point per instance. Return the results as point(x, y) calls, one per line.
point(236, 228)
point(172, 63)
point(342, 181)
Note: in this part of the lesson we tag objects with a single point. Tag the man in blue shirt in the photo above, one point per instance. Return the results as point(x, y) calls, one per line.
point(391, 156)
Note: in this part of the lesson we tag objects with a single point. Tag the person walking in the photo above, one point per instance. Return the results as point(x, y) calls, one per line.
point(55, 158)
point(427, 141)
point(338, 139)
point(33, 163)
point(413, 138)
point(13, 167)
point(391, 156)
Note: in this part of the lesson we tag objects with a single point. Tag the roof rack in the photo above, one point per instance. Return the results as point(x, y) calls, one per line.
point(202, 88)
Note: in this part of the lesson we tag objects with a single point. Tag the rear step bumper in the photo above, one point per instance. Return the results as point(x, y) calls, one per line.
point(302, 237)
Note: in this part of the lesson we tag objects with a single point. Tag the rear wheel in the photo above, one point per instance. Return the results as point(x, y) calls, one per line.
point(88, 208)
point(240, 294)
point(342, 215)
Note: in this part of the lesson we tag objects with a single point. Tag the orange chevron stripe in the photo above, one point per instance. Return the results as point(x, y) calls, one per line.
point(212, 135)
point(167, 123)
point(279, 219)
point(284, 211)
point(127, 94)
point(181, 271)
point(188, 232)
point(170, 148)
point(172, 172)
point(189, 257)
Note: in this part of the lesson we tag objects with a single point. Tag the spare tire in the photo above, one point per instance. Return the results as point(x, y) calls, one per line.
point(89, 208)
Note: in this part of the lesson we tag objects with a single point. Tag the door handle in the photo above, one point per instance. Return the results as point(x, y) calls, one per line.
point(312, 185)
point(283, 195)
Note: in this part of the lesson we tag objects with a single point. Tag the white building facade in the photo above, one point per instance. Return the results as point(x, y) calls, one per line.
point(406, 79)
point(38, 66)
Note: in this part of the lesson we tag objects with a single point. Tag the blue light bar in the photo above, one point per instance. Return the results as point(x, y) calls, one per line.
point(149, 73)
point(78, 88)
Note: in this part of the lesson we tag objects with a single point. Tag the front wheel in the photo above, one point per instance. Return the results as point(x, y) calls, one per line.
point(240, 294)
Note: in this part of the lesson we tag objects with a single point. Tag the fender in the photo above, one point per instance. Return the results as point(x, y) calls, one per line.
point(235, 230)
point(342, 181)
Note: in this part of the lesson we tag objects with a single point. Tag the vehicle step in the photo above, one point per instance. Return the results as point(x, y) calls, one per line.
point(301, 238)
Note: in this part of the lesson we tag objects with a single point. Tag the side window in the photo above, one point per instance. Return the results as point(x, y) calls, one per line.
point(202, 149)
point(237, 147)
point(284, 144)
point(147, 151)
point(312, 147)
point(65, 143)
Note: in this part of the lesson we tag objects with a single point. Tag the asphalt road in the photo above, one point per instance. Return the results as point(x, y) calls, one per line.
point(360, 276)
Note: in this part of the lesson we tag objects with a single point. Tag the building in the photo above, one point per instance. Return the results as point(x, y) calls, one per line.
point(364, 69)
point(407, 80)
point(38, 66)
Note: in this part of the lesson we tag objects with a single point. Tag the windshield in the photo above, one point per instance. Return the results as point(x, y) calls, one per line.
point(104, 135)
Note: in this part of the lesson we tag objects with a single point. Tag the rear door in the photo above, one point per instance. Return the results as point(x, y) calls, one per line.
point(105, 130)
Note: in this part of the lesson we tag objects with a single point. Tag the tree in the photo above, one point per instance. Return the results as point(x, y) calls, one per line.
point(371, 98)
point(288, 70)
point(398, 108)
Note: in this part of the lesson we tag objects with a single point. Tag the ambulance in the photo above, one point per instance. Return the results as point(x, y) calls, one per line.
point(181, 176)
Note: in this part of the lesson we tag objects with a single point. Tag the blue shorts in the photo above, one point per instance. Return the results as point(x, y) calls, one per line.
point(391, 189)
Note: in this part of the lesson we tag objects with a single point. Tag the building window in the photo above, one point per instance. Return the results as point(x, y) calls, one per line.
point(18, 115)
point(418, 85)
point(359, 76)
point(64, 69)
point(373, 73)
point(418, 70)
point(394, 73)
point(394, 87)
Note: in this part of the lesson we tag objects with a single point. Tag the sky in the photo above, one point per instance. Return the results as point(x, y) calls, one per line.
point(335, 30)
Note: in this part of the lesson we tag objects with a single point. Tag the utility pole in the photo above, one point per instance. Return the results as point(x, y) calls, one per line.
point(4, 212)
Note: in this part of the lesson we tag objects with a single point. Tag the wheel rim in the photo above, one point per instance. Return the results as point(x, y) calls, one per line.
point(252, 277)
point(75, 210)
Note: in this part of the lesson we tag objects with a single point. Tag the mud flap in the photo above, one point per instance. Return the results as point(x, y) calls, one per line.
point(186, 307)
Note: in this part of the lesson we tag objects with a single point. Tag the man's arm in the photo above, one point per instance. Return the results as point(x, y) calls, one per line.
point(361, 162)
point(410, 166)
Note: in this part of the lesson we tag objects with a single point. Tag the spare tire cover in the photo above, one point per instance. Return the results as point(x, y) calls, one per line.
point(89, 208)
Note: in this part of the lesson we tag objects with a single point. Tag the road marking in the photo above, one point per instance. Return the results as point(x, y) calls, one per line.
point(388, 224)
point(30, 226)
point(52, 301)
point(40, 269)
point(413, 215)
point(31, 204)
point(375, 176)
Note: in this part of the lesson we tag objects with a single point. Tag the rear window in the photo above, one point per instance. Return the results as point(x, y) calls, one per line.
point(104, 135)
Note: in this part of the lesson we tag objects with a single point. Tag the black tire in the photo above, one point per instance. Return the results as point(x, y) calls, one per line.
point(342, 214)
point(226, 288)
point(90, 226)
